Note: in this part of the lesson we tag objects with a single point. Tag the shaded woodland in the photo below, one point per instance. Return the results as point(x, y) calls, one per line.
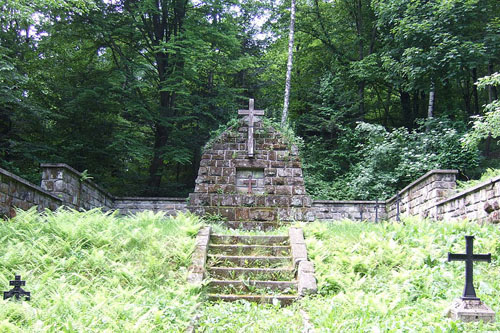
point(381, 92)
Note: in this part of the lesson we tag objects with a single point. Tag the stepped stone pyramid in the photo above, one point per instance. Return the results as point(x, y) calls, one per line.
point(252, 177)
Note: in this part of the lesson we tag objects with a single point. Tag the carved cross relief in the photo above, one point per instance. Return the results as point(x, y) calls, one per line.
point(251, 113)
point(250, 182)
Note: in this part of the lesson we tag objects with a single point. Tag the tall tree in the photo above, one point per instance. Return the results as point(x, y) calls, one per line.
point(288, 81)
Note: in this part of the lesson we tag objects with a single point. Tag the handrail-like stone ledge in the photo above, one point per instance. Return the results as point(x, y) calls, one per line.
point(475, 188)
point(151, 199)
point(414, 183)
point(27, 183)
point(79, 174)
point(347, 202)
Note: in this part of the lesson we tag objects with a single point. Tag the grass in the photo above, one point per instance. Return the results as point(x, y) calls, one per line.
point(90, 272)
point(95, 272)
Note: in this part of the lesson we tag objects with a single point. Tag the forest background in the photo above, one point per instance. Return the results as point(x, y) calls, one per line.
point(382, 90)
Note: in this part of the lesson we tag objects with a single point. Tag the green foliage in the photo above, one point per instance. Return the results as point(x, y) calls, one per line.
point(91, 271)
point(488, 174)
point(366, 282)
point(386, 161)
point(488, 124)
point(94, 272)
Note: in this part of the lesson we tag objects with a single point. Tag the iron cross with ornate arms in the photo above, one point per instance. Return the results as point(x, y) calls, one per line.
point(469, 257)
point(251, 112)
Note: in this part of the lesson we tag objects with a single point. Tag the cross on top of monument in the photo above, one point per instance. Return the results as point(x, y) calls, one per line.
point(469, 257)
point(251, 112)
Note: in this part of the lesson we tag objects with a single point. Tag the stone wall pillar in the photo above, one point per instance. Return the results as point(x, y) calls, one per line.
point(420, 197)
point(76, 192)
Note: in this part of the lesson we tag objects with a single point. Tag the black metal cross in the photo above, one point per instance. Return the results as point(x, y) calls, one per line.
point(17, 291)
point(469, 257)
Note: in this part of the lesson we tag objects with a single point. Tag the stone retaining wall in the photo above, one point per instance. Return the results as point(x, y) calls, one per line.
point(432, 195)
point(479, 203)
point(353, 210)
point(71, 186)
point(16, 192)
point(132, 205)
point(417, 198)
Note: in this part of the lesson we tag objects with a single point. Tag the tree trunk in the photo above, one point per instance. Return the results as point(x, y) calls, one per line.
point(161, 25)
point(430, 109)
point(492, 90)
point(288, 81)
point(361, 56)
point(474, 91)
point(405, 99)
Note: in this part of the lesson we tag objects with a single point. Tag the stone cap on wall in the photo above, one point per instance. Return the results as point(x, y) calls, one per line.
point(467, 191)
point(78, 175)
point(177, 199)
point(27, 183)
point(347, 202)
point(427, 175)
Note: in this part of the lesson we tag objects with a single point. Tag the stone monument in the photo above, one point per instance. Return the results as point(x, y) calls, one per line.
point(251, 175)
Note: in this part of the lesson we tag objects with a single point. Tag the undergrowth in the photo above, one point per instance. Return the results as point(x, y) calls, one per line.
point(488, 174)
point(90, 272)
point(98, 272)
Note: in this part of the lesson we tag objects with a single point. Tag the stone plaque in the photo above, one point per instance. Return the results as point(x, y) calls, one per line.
point(250, 180)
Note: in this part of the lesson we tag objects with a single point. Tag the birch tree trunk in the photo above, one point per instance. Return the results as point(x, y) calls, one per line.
point(430, 110)
point(288, 82)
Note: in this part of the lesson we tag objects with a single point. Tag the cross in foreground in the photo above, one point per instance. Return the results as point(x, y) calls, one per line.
point(17, 291)
point(251, 112)
point(469, 307)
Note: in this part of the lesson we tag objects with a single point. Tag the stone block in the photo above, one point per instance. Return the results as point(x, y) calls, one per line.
point(306, 279)
point(59, 186)
point(262, 215)
point(278, 180)
point(4, 188)
point(215, 171)
point(283, 190)
point(278, 164)
point(299, 190)
point(470, 311)
point(242, 214)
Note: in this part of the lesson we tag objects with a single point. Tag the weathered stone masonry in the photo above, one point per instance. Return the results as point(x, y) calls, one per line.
point(64, 186)
point(15, 192)
point(278, 191)
point(432, 195)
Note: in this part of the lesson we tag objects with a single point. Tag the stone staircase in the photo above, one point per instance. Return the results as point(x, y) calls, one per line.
point(258, 268)
point(254, 225)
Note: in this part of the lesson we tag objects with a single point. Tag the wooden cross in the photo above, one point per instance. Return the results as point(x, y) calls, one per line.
point(251, 113)
point(469, 257)
point(17, 291)
point(250, 182)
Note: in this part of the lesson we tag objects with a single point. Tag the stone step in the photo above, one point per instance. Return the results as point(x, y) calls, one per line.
point(238, 286)
point(228, 249)
point(248, 261)
point(269, 299)
point(249, 240)
point(254, 225)
point(275, 274)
